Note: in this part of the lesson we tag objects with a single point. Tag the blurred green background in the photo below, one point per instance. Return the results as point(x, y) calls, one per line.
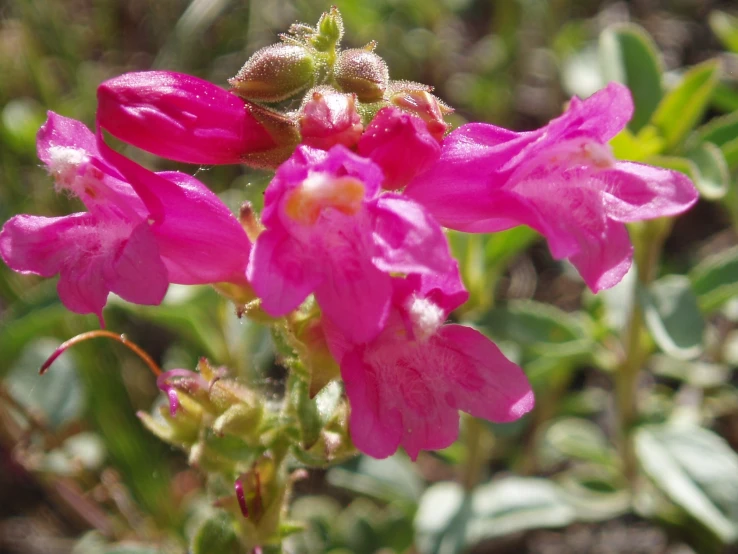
point(76, 462)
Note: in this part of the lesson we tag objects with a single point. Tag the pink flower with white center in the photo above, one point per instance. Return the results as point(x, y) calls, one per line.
point(141, 232)
point(407, 385)
point(330, 232)
point(400, 144)
point(181, 117)
point(561, 180)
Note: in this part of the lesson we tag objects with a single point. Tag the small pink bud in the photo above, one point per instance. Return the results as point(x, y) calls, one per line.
point(393, 131)
point(363, 72)
point(180, 117)
point(426, 106)
point(329, 118)
point(275, 73)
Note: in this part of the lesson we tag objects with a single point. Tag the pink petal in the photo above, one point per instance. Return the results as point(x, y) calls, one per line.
point(39, 245)
point(376, 428)
point(392, 131)
point(279, 273)
point(407, 238)
point(479, 379)
point(445, 290)
point(82, 287)
point(180, 117)
point(200, 240)
point(634, 192)
point(139, 275)
point(355, 296)
point(601, 116)
point(605, 259)
point(65, 132)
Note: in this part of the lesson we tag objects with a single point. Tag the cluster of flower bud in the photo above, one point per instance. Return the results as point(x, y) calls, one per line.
point(342, 90)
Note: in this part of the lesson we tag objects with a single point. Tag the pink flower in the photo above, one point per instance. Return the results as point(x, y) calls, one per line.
point(407, 385)
point(142, 230)
point(330, 232)
point(561, 180)
point(400, 144)
point(180, 117)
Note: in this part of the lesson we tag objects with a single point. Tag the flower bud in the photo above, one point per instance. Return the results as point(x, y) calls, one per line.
point(275, 73)
point(179, 117)
point(329, 118)
point(363, 72)
point(426, 106)
point(393, 131)
point(329, 31)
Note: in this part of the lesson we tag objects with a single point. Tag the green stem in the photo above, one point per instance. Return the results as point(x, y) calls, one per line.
point(648, 241)
point(477, 447)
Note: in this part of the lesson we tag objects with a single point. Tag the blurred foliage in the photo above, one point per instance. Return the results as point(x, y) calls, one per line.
point(76, 460)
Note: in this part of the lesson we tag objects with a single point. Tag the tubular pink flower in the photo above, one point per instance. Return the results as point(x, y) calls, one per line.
point(142, 230)
point(180, 117)
point(408, 384)
point(330, 232)
point(400, 144)
point(560, 180)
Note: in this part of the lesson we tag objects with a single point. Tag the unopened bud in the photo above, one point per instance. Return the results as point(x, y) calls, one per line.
point(242, 421)
point(393, 131)
point(363, 72)
point(275, 73)
point(329, 31)
point(426, 106)
point(328, 118)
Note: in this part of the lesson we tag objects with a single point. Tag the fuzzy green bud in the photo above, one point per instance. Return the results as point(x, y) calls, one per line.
point(361, 71)
point(329, 31)
point(275, 73)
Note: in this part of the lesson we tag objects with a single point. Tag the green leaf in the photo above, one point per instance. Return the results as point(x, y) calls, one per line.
point(681, 109)
point(673, 317)
point(723, 132)
point(725, 97)
point(541, 327)
point(443, 515)
point(216, 534)
point(725, 26)
point(576, 438)
point(711, 175)
point(629, 55)
point(58, 394)
point(503, 246)
point(715, 280)
point(392, 479)
point(517, 504)
point(636, 148)
point(697, 470)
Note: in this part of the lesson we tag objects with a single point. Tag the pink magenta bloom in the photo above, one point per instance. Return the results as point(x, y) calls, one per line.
point(561, 180)
point(142, 230)
point(400, 144)
point(180, 117)
point(330, 232)
point(406, 386)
